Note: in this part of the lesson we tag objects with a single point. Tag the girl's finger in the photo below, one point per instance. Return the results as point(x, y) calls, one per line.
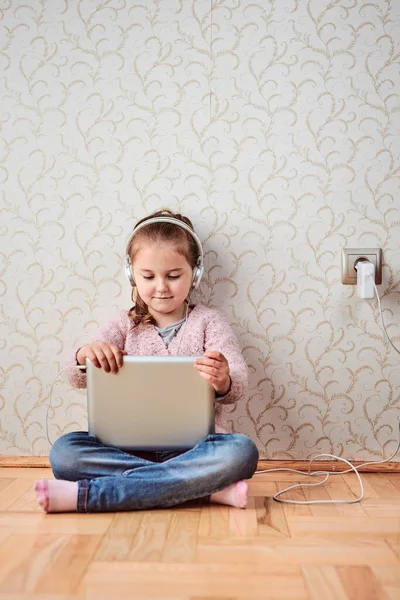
point(209, 362)
point(93, 359)
point(209, 377)
point(210, 370)
point(118, 354)
point(102, 360)
point(220, 372)
point(111, 360)
point(218, 356)
point(121, 358)
point(207, 368)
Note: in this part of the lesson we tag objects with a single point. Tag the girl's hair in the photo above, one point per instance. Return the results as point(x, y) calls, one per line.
point(160, 233)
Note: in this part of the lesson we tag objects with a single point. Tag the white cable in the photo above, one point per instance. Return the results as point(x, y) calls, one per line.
point(308, 474)
point(381, 314)
point(327, 474)
point(183, 326)
point(82, 367)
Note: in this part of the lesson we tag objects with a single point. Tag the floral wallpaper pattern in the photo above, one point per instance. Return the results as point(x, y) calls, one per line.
point(275, 127)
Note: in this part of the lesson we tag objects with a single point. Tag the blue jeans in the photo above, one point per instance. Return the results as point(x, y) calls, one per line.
point(110, 479)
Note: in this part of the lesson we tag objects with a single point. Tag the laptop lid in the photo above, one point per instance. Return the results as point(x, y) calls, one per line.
point(153, 403)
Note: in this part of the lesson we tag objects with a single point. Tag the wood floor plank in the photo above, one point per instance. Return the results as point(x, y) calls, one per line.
point(34, 596)
point(324, 583)
point(26, 502)
point(214, 522)
point(360, 583)
point(147, 545)
point(65, 572)
point(382, 507)
point(303, 526)
point(180, 543)
point(394, 543)
point(31, 523)
point(353, 484)
point(394, 479)
point(39, 552)
point(391, 593)
point(12, 551)
point(117, 542)
point(215, 580)
point(321, 510)
point(271, 519)
point(5, 482)
point(344, 552)
point(338, 489)
point(258, 487)
point(382, 485)
point(296, 494)
point(243, 523)
point(300, 552)
point(4, 535)
point(387, 576)
point(12, 492)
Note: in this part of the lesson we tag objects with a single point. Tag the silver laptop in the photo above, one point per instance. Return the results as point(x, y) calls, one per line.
point(153, 403)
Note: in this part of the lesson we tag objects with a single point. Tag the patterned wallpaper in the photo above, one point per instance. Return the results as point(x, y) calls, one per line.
point(275, 127)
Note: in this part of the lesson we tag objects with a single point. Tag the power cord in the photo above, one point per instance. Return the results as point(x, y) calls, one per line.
point(81, 367)
point(183, 326)
point(381, 314)
point(327, 473)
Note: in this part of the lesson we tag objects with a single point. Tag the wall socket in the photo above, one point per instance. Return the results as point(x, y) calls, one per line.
point(351, 255)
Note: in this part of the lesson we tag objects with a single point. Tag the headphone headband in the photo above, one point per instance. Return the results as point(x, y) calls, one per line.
point(173, 222)
point(197, 271)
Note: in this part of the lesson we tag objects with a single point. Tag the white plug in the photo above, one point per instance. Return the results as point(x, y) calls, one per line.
point(365, 278)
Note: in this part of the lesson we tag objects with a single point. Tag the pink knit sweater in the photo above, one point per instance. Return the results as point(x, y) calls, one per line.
point(206, 329)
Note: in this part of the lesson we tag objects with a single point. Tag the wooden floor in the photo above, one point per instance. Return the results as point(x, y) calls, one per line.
point(270, 550)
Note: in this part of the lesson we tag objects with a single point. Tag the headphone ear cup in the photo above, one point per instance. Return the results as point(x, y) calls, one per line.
point(129, 271)
point(197, 275)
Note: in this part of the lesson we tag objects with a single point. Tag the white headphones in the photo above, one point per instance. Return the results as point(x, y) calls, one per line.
point(198, 269)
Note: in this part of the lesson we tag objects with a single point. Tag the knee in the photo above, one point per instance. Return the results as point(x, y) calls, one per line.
point(64, 455)
point(242, 457)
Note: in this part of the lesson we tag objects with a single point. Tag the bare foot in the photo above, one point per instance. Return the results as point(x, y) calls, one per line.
point(57, 495)
point(233, 495)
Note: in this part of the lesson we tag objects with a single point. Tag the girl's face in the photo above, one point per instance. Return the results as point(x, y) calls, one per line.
point(163, 278)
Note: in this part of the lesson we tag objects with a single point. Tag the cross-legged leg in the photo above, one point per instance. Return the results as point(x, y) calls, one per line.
point(77, 456)
point(215, 464)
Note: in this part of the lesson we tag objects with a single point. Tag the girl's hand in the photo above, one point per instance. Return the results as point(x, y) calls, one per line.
point(103, 355)
point(215, 368)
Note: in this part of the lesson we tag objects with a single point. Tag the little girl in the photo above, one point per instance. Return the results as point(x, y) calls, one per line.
point(164, 263)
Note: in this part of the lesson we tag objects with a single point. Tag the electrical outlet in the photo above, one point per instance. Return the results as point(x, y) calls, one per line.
point(351, 255)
